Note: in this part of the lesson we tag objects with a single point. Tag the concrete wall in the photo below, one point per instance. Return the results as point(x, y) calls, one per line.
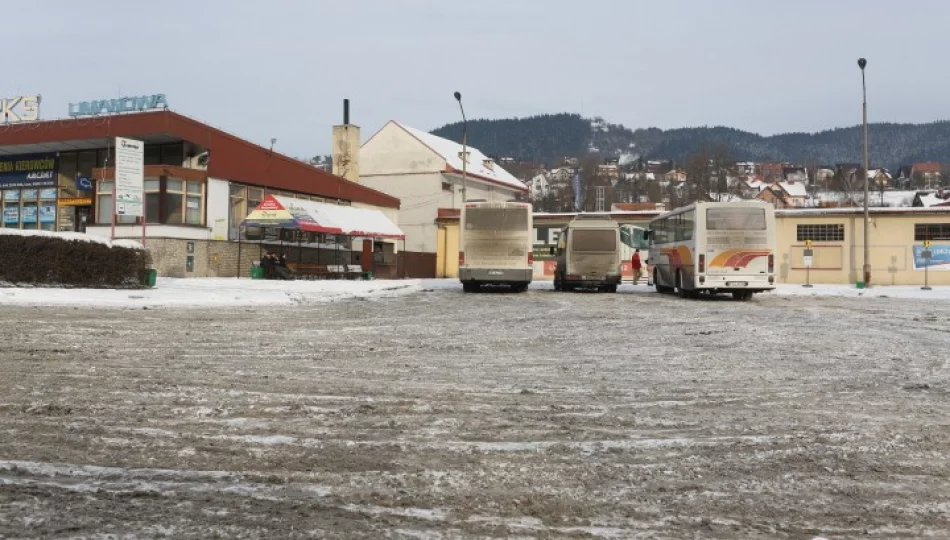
point(393, 151)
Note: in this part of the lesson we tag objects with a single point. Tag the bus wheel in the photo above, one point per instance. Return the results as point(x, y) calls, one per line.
point(610, 288)
point(470, 287)
point(557, 284)
point(662, 289)
point(519, 287)
point(680, 291)
point(742, 295)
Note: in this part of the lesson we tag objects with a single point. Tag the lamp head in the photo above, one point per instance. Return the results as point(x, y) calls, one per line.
point(458, 96)
point(862, 62)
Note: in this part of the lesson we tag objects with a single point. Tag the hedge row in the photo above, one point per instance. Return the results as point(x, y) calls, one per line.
point(54, 261)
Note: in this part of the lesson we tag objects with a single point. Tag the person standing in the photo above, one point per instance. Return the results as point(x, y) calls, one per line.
point(637, 266)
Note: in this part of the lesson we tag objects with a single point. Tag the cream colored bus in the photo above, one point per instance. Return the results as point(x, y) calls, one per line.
point(714, 247)
point(496, 245)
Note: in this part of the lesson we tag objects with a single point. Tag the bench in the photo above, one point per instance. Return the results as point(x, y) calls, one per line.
point(309, 271)
point(354, 271)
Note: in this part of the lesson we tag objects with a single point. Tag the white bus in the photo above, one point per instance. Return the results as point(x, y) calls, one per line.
point(714, 247)
point(496, 247)
point(632, 238)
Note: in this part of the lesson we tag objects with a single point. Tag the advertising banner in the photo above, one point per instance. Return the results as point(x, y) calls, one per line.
point(129, 176)
point(48, 213)
point(28, 171)
point(939, 258)
point(29, 213)
point(11, 214)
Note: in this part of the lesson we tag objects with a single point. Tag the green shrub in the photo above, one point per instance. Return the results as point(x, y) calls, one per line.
point(70, 260)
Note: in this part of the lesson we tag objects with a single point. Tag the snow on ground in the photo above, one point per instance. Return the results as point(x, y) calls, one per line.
point(219, 292)
point(211, 292)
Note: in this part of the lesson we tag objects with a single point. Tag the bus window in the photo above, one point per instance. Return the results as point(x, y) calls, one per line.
point(594, 240)
point(688, 225)
point(497, 219)
point(735, 219)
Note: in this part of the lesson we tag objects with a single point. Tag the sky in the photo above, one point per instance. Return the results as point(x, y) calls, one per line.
point(281, 69)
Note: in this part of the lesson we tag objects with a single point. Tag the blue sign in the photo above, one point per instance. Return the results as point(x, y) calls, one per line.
point(83, 183)
point(118, 105)
point(939, 257)
point(28, 171)
point(49, 193)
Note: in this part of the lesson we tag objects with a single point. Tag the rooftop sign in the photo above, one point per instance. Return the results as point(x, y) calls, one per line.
point(19, 109)
point(118, 105)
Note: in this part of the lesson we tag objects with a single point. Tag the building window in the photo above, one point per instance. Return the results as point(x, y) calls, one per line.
point(104, 202)
point(153, 199)
point(446, 186)
point(931, 231)
point(194, 207)
point(821, 233)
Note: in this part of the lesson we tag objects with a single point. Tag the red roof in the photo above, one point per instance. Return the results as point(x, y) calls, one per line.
point(231, 158)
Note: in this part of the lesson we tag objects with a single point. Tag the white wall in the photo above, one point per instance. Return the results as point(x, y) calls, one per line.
point(419, 196)
point(219, 202)
point(392, 150)
point(134, 232)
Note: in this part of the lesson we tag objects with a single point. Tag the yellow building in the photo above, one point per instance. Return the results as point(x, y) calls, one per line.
point(836, 235)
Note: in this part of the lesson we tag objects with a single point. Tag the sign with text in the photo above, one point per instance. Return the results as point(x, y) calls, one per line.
point(19, 109)
point(28, 171)
point(809, 253)
point(129, 176)
point(118, 105)
point(939, 258)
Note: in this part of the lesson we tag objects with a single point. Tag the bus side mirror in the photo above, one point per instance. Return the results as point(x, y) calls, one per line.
point(647, 234)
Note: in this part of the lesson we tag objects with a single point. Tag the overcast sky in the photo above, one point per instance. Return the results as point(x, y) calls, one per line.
point(282, 68)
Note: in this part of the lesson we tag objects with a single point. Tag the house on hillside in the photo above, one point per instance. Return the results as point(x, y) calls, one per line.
point(539, 186)
point(926, 174)
point(425, 172)
point(785, 194)
point(795, 174)
point(926, 199)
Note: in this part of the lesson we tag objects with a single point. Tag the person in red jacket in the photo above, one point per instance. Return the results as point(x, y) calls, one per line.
point(637, 266)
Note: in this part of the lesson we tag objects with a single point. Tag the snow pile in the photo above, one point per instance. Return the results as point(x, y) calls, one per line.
point(212, 292)
point(73, 236)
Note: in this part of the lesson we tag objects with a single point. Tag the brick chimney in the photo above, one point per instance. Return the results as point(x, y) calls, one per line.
point(346, 147)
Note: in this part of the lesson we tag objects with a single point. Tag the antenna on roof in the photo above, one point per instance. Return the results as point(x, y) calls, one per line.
point(272, 141)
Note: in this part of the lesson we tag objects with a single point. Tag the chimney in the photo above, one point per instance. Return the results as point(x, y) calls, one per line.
point(346, 147)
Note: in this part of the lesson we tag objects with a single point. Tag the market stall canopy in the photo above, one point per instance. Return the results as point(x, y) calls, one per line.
point(288, 213)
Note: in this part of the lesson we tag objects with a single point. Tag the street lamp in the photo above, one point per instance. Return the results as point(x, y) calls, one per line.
point(458, 97)
point(867, 242)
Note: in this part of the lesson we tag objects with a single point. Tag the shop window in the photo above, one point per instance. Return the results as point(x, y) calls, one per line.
point(173, 154)
point(153, 154)
point(87, 161)
point(68, 162)
point(931, 231)
point(47, 214)
point(11, 211)
point(153, 197)
point(193, 203)
point(820, 233)
point(29, 216)
point(174, 201)
point(238, 209)
point(104, 202)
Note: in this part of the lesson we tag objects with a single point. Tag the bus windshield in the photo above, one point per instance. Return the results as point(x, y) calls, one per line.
point(735, 219)
point(496, 219)
point(594, 240)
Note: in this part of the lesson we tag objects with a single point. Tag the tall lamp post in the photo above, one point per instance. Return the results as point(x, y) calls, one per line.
point(867, 241)
point(458, 97)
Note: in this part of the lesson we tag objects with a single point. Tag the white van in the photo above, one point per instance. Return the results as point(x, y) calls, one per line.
point(588, 255)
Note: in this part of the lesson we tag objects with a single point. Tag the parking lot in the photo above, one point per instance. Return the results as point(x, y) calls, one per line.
point(448, 415)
